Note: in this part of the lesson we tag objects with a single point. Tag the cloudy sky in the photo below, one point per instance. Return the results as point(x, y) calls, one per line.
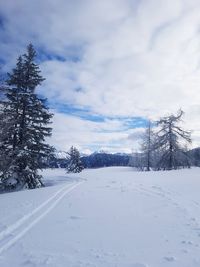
point(109, 65)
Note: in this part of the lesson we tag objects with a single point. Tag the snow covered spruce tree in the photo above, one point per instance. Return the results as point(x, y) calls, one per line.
point(74, 165)
point(3, 124)
point(26, 119)
point(170, 143)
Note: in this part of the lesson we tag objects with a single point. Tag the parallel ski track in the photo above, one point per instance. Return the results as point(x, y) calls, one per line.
point(14, 232)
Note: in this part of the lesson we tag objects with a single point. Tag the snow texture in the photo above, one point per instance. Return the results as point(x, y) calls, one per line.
point(109, 217)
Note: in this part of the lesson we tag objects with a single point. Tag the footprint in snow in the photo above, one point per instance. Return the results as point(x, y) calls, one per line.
point(138, 265)
point(156, 187)
point(185, 251)
point(187, 242)
point(75, 218)
point(29, 263)
point(170, 259)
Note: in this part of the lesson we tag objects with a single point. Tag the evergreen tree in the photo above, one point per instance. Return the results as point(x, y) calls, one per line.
point(2, 123)
point(26, 119)
point(74, 165)
point(169, 142)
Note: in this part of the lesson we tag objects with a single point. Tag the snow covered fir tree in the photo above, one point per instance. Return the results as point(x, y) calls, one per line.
point(25, 121)
point(75, 164)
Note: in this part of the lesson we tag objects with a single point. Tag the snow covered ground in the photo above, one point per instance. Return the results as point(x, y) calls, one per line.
point(110, 217)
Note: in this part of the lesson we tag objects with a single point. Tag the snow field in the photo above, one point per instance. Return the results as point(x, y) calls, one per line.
point(114, 217)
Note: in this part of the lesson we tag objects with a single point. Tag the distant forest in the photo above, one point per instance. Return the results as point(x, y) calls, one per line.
point(101, 159)
point(95, 160)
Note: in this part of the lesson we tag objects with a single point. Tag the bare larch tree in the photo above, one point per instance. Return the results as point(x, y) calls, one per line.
point(170, 142)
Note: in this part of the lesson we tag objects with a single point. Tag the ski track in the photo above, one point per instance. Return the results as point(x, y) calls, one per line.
point(14, 231)
point(17, 224)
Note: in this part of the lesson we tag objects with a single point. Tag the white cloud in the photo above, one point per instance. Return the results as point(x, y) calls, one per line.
point(112, 134)
point(136, 58)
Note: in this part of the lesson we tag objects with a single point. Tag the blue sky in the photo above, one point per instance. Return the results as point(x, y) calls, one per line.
point(109, 65)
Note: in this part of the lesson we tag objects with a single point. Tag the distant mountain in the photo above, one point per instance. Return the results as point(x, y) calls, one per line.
point(61, 154)
point(109, 153)
point(58, 159)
